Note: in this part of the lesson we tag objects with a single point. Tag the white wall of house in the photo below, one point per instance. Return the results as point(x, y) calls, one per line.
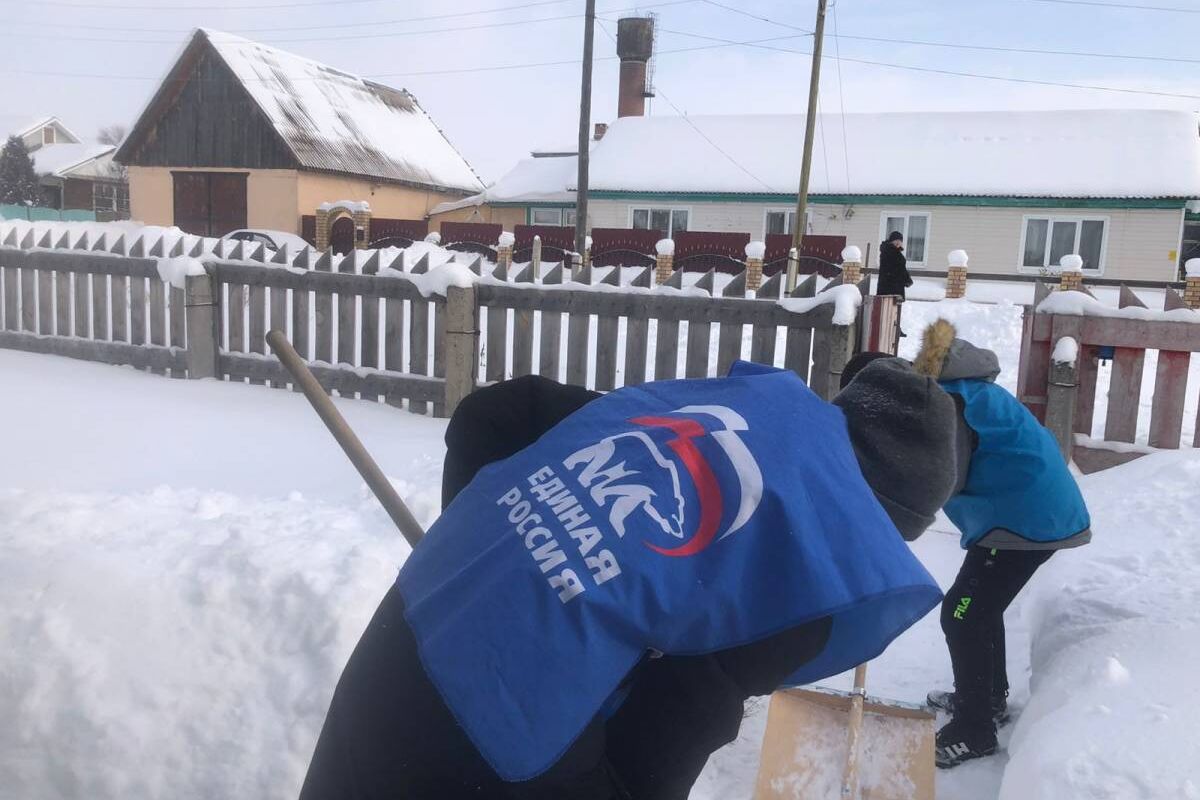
point(1138, 244)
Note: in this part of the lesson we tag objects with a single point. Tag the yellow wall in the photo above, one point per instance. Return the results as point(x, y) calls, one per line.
point(270, 197)
point(387, 200)
point(508, 216)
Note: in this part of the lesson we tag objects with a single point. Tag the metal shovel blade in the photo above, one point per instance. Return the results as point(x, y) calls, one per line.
point(805, 748)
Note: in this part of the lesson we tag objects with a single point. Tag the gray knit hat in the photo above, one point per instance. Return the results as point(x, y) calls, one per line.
point(902, 427)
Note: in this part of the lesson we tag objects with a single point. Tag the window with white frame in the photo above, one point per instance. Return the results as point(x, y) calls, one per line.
point(784, 221)
point(552, 216)
point(1045, 240)
point(913, 227)
point(668, 220)
point(568, 217)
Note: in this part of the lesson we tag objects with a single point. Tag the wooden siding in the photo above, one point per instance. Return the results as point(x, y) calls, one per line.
point(202, 117)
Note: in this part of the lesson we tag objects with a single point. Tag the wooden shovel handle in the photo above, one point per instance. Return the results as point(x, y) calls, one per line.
point(854, 733)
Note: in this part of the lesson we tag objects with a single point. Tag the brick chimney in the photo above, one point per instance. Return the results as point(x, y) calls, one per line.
point(635, 45)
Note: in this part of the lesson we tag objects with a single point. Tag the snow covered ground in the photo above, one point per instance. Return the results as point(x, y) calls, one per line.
point(185, 566)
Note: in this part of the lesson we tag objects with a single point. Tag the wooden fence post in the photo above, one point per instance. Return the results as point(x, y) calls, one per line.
point(1062, 390)
point(841, 347)
point(462, 345)
point(203, 326)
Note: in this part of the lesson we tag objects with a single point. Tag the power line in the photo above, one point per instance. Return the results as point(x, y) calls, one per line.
point(342, 25)
point(986, 48)
point(1092, 3)
point(204, 7)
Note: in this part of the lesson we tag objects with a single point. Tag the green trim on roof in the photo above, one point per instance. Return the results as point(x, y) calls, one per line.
point(898, 199)
point(508, 204)
point(1192, 216)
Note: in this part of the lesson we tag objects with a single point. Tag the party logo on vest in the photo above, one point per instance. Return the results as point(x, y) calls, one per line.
point(636, 476)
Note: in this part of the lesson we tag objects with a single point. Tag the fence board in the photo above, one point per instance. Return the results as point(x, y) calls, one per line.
point(29, 300)
point(257, 328)
point(1124, 395)
point(137, 311)
point(278, 319)
point(99, 306)
point(822, 342)
point(83, 305)
point(523, 323)
point(344, 381)
point(1170, 387)
point(323, 311)
point(1085, 400)
point(763, 335)
point(142, 357)
point(62, 296)
point(578, 324)
point(666, 339)
point(301, 319)
point(369, 341)
point(119, 286)
point(393, 342)
point(158, 314)
point(419, 348)
point(699, 337)
point(11, 293)
point(177, 332)
point(798, 343)
point(729, 336)
point(496, 345)
point(346, 314)
point(548, 362)
point(45, 290)
point(607, 327)
point(637, 334)
point(439, 353)
point(234, 313)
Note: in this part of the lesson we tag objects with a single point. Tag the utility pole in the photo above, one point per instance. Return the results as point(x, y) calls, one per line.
point(810, 130)
point(585, 128)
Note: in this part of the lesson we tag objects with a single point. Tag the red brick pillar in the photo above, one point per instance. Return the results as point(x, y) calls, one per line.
point(664, 264)
point(1071, 278)
point(956, 275)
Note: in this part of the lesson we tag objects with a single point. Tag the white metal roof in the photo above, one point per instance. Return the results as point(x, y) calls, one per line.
point(1102, 154)
point(332, 120)
point(60, 159)
point(532, 180)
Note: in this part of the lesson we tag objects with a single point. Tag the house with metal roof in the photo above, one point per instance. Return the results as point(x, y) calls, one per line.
point(74, 175)
point(1017, 190)
point(241, 135)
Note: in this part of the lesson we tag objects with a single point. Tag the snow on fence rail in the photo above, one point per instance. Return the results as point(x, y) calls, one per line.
point(373, 326)
point(1061, 391)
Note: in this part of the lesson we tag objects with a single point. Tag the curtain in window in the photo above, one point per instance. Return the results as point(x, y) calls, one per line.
point(1035, 242)
point(1091, 239)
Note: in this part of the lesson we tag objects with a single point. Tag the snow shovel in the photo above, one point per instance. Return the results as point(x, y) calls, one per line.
point(827, 745)
point(351, 446)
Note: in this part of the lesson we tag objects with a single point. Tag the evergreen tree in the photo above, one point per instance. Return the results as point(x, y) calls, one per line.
point(18, 181)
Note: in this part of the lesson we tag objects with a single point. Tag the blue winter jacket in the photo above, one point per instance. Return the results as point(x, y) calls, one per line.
point(1018, 492)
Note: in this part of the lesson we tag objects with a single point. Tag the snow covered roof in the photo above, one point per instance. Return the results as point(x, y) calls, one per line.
point(22, 126)
point(532, 180)
point(332, 120)
point(59, 159)
point(1109, 153)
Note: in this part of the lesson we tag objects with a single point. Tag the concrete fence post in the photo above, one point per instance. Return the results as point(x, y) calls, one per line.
point(755, 252)
point(1071, 278)
point(664, 263)
point(587, 251)
point(841, 348)
point(956, 275)
point(462, 345)
point(1061, 394)
point(535, 257)
point(202, 302)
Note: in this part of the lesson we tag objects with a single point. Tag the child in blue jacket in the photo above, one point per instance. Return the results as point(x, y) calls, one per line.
point(1016, 503)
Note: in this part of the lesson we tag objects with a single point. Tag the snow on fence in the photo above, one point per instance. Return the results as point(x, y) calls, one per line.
point(1068, 332)
point(374, 325)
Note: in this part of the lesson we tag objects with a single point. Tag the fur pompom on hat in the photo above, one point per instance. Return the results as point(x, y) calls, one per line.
point(935, 346)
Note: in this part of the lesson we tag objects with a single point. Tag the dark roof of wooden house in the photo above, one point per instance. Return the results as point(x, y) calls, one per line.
point(230, 102)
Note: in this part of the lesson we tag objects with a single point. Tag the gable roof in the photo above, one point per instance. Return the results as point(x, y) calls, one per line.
point(1069, 154)
point(13, 125)
point(60, 159)
point(328, 119)
point(533, 180)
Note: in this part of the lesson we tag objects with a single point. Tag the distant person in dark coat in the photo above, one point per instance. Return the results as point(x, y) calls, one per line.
point(893, 266)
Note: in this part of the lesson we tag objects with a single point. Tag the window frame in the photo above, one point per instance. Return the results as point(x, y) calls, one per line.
point(533, 211)
point(883, 232)
point(790, 210)
point(670, 209)
point(1078, 219)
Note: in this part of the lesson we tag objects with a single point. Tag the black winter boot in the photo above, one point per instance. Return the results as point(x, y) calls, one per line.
point(959, 741)
point(945, 702)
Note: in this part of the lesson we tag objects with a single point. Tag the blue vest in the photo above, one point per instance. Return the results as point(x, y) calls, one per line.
point(683, 516)
point(1018, 479)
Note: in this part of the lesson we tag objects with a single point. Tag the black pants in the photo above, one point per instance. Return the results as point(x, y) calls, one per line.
point(973, 621)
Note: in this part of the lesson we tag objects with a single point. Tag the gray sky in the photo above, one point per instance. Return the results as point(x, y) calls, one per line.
point(110, 54)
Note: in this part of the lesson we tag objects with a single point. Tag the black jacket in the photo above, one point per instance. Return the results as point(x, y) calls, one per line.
point(893, 271)
point(389, 735)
